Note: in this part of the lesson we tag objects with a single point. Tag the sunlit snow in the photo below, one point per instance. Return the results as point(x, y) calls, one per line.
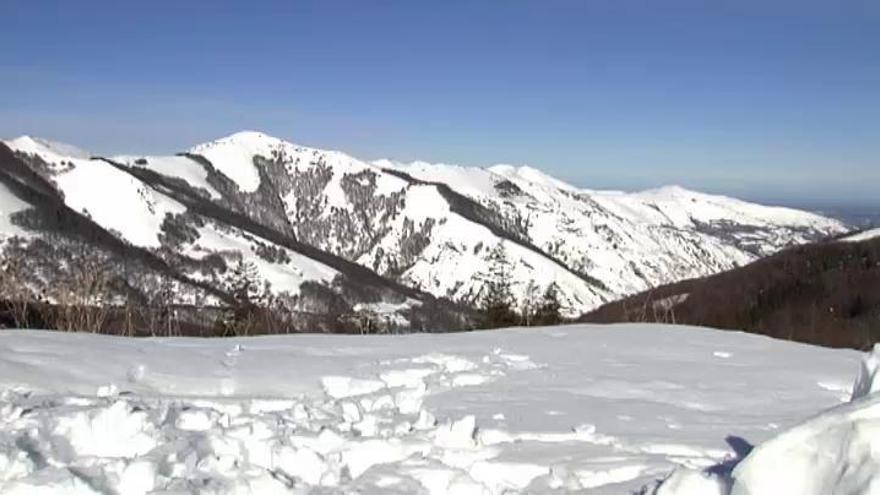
point(591, 409)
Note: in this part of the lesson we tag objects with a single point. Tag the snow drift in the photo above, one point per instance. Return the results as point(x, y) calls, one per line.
point(835, 452)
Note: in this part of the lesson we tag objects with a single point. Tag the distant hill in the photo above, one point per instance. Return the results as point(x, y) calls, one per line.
point(826, 293)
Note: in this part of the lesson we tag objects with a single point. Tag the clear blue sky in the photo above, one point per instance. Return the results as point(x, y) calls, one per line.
point(763, 99)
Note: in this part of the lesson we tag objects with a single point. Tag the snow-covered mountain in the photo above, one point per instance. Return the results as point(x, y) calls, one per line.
point(317, 219)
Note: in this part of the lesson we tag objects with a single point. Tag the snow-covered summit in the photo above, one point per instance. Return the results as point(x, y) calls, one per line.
point(42, 146)
point(233, 156)
point(532, 175)
point(681, 205)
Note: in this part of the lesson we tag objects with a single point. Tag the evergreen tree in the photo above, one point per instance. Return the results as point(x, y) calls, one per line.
point(548, 310)
point(243, 284)
point(497, 300)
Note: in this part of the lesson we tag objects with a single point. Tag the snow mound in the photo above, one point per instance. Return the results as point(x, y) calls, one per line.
point(834, 452)
point(42, 146)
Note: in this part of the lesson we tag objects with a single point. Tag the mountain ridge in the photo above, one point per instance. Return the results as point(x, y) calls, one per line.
point(822, 293)
point(416, 229)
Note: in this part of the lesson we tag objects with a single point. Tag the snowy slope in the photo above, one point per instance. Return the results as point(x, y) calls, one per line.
point(428, 226)
point(863, 236)
point(576, 409)
point(151, 216)
point(112, 198)
point(597, 246)
point(10, 204)
point(41, 145)
point(361, 212)
point(285, 276)
point(183, 167)
point(233, 157)
point(629, 241)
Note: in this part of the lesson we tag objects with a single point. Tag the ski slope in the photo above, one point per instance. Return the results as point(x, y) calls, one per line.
point(573, 409)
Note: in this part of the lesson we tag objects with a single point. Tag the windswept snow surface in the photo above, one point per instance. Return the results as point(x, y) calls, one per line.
point(590, 409)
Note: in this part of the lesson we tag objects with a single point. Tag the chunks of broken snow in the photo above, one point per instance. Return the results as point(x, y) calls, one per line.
point(340, 387)
point(546, 410)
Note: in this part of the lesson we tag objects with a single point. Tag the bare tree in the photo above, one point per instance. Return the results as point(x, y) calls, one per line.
point(82, 301)
point(14, 290)
point(529, 304)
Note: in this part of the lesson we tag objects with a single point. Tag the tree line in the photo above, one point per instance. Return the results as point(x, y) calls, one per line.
point(99, 294)
point(824, 293)
point(498, 306)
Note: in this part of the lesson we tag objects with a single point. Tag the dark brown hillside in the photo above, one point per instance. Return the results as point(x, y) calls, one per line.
point(826, 293)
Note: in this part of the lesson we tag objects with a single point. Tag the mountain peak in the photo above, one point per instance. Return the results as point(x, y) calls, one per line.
point(247, 138)
point(530, 174)
point(233, 155)
point(42, 146)
point(251, 135)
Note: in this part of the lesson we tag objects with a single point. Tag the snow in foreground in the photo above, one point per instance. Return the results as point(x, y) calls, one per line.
point(598, 409)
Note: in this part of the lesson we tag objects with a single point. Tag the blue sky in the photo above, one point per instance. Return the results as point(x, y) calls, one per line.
point(772, 100)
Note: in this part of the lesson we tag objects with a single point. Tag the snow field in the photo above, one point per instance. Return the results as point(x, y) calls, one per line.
point(576, 409)
point(122, 443)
